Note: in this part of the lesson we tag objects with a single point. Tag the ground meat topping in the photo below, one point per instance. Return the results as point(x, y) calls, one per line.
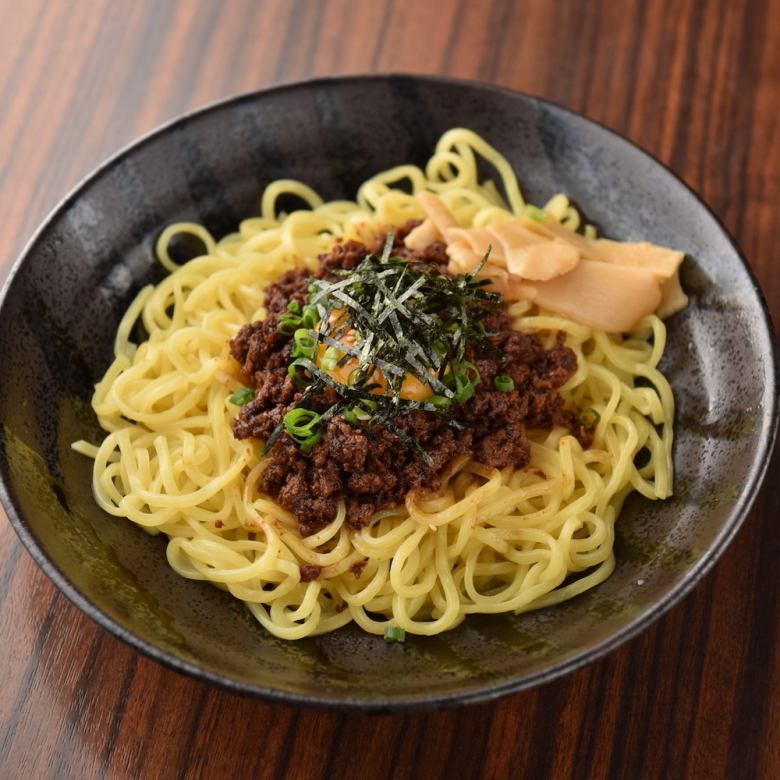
point(357, 568)
point(309, 572)
point(370, 468)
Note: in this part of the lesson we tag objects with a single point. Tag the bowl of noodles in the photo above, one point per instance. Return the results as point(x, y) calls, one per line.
point(381, 392)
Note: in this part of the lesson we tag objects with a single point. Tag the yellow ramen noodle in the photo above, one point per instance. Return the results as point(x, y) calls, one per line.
point(489, 541)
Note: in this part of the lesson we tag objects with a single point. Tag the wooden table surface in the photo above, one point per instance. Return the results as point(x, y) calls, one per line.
point(695, 83)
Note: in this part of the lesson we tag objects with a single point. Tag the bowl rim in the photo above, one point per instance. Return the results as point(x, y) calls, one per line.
point(459, 697)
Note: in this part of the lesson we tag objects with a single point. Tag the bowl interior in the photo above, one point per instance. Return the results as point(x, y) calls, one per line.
point(61, 308)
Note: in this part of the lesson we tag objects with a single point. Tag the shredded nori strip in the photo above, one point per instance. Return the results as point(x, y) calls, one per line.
point(408, 318)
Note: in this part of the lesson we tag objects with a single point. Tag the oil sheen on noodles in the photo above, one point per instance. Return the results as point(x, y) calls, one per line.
point(489, 541)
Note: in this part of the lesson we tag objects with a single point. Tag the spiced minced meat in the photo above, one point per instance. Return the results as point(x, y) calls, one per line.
point(367, 465)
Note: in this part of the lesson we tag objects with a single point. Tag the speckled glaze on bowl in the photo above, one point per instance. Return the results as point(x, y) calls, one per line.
point(83, 267)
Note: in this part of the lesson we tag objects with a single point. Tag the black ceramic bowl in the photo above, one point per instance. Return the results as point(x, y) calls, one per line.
point(69, 289)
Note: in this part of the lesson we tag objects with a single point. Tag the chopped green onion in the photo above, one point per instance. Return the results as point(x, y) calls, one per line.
point(367, 403)
point(288, 324)
point(354, 376)
point(535, 213)
point(439, 400)
point(330, 359)
point(394, 634)
point(242, 396)
point(292, 372)
point(310, 441)
point(361, 411)
point(440, 346)
point(305, 343)
point(355, 414)
point(467, 367)
point(504, 383)
point(300, 422)
point(463, 379)
point(464, 389)
point(310, 316)
point(297, 317)
point(589, 417)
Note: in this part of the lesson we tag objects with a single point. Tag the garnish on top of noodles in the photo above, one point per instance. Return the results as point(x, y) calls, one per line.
point(609, 285)
point(371, 374)
point(389, 337)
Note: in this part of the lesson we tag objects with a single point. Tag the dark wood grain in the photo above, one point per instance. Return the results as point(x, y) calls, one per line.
point(696, 83)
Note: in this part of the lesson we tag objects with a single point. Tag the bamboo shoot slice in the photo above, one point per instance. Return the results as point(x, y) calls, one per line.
point(605, 296)
point(422, 236)
point(660, 260)
point(439, 214)
point(479, 240)
point(544, 261)
point(673, 299)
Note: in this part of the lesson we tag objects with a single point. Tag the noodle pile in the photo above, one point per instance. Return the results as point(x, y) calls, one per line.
point(488, 541)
